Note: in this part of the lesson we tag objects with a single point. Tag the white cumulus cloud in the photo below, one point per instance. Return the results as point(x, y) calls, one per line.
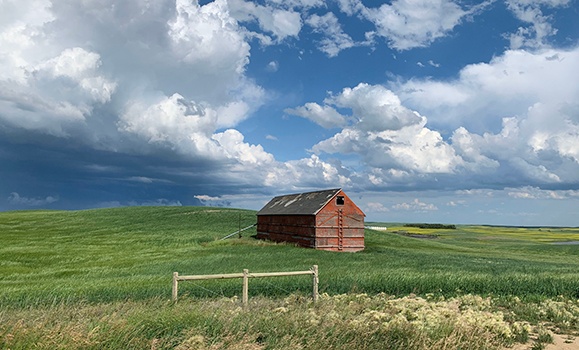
point(208, 35)
point(190, 129)
point(384, 133)
point(17, 199)
point(279, 21)
point(530, 192)
point(408, 24)
point(415, 205)
point(375, 207)
point(325, 116)
point(334, 39)
point(508, 120)
point(540, 28)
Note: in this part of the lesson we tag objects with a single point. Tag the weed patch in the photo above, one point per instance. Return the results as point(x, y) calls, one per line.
point(346, 321)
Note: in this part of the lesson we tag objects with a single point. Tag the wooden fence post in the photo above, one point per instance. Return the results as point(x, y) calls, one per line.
point(175, 285)
point(245, 296)
point(316, 280)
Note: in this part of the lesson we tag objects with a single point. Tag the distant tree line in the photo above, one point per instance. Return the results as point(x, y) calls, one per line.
point(432, 226)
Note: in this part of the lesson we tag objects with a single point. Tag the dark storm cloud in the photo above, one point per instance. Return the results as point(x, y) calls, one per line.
point(82, 177)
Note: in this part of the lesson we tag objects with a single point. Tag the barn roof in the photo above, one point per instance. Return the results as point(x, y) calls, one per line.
point(308, 203)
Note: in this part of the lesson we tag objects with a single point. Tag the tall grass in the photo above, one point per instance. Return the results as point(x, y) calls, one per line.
point(105, 255)
point(348, 321)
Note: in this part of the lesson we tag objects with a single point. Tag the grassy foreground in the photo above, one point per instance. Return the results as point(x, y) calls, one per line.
point(102, 279)
point(347, 321)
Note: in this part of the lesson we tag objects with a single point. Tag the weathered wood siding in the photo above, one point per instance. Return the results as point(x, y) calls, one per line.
point(299, 229)
point(340, 227)
point(348, 237)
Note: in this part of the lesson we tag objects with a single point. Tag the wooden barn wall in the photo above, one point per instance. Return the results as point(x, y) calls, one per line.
point(299, 229)
point(328, 228)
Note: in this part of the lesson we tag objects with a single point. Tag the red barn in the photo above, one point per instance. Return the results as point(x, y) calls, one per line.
point(326, 220)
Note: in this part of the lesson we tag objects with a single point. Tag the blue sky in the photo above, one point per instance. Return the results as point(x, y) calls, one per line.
point(421, 110)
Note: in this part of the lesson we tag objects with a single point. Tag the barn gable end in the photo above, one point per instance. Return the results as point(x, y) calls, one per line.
point(326, 220)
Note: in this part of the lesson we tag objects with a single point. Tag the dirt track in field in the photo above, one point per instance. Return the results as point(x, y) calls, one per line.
point(560, 342)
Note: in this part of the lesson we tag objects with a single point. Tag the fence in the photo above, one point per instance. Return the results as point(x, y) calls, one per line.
point(246, 276)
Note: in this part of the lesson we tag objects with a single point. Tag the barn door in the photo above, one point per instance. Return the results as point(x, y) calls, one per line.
point(340, 230)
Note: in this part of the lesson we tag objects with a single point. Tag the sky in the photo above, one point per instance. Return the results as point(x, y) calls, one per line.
point(463, 112)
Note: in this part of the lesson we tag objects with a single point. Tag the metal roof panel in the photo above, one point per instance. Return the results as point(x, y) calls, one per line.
point(309, 203)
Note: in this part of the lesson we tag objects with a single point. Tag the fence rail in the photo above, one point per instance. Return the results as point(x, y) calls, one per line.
point(245, 275)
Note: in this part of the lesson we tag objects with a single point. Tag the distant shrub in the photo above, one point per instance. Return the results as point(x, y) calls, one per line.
point(432, 226)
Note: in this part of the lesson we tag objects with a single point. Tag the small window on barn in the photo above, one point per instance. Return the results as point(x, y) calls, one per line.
point(340, 200)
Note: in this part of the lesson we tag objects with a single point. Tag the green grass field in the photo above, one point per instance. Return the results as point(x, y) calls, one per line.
point(114, 254)
point(101, 279)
